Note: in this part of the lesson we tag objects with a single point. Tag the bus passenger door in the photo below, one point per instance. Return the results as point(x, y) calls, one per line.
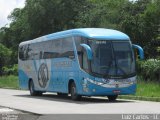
point(85, 65)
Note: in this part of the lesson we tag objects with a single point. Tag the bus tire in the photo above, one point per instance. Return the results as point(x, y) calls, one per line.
point(74, 95)
point(62, 94)
point(32, 89)
point(112, 97)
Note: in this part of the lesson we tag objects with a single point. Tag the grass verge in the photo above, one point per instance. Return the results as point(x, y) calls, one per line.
point(146, 90)
point(10, 81)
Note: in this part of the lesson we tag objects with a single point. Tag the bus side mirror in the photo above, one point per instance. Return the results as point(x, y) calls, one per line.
point(88, 50)
point(140, 50)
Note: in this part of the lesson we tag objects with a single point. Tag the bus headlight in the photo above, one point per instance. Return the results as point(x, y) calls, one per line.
point(94, 81)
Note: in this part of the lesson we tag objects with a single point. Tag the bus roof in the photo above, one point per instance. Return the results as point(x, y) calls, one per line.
point(91, 33)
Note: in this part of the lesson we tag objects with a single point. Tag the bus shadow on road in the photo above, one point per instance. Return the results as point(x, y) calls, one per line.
point(67, 99)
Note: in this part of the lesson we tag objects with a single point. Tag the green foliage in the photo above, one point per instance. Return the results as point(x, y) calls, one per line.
point(141, 21)
point(4, 51)
point(48, 16)
point(11, 70)
point(102, 13)
point(147, 88)
point(5, 54)
point(149, 69)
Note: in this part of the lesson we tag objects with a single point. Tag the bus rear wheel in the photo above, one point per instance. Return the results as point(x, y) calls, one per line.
point(73, 91)
point(32, 90)
point(112, 97)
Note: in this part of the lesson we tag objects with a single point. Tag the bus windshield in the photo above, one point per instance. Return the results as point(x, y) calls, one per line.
point(112, 58)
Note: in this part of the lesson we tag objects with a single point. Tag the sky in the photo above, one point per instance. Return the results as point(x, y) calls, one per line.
point(6, 7)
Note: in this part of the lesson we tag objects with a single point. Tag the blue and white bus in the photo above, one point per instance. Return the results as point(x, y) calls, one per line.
point(79, 62)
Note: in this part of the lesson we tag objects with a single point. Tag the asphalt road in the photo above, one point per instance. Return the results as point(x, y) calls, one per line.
point(50, 103)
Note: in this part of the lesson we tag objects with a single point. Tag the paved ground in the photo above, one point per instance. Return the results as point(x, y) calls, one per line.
point(52, 104)
point(4, 110)
point(12, 114)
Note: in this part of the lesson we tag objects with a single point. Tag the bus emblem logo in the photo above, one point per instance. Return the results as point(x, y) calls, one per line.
point(43, 75)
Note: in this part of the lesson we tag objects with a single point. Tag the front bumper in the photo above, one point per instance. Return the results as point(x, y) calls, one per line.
point(93, 89)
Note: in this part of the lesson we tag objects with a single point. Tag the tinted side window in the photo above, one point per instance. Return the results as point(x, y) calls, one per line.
point(52, 49)
point(21, 52)
point(56, 48)
point(47, 49)
point(35, 51)
point(25, 52)
point(67, 48)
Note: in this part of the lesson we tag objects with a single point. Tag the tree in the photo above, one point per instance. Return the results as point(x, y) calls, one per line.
point(5, 54)
point(102, 13)
point(48, 16)
point(38, 18)
point(140, 22)
point(152, 29)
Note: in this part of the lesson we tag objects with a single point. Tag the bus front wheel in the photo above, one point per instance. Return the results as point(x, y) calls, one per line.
point(32, 90)
point(73, 90)
point(112, 97)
